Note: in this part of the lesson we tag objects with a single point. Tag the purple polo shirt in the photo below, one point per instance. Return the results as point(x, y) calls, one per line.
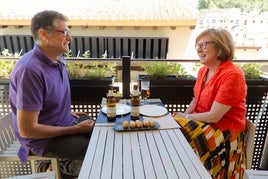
point(39, 84)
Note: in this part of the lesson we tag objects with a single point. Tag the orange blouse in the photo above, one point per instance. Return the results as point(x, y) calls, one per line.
point(227, 86)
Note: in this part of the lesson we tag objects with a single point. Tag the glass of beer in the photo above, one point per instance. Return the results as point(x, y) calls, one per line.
point(145, 91)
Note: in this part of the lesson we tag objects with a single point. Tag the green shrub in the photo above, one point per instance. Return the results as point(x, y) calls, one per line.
point(160, 70)
point(92, 70)
point(251, 71)
point(6, 67)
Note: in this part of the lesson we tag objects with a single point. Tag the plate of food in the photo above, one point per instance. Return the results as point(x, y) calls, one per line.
point(121, 109)
point(153, 110)
point(136, 126)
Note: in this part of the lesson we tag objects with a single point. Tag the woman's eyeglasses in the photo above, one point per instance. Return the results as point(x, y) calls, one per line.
point(64, 32)
point(203, 45)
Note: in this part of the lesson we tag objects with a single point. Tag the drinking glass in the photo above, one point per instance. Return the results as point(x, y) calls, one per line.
point(145, 91)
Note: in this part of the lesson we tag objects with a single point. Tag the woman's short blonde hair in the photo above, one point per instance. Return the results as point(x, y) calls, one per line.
point(223, 40)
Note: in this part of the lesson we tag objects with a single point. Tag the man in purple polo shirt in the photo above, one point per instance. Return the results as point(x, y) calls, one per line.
point(40, 98)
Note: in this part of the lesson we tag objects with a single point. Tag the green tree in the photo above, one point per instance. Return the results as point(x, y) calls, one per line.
point(205, 4)
point(244, 5)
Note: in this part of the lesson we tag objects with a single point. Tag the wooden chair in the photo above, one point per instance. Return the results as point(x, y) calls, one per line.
point(264, 159)
point(255, 174)
point(249, 142)
point(44, 175)
point(9, 147)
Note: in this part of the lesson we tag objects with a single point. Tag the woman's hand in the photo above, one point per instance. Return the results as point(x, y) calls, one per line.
point(178, 114)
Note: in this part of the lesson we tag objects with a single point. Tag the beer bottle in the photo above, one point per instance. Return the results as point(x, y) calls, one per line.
point(111, 105)
point(135, 104)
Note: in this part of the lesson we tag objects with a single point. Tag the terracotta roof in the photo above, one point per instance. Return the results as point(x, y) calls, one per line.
point(104, 12)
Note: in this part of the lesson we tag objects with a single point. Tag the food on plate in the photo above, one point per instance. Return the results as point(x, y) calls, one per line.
point(117, 96)
point(125, 124)
point(132, 124)
point(152, 124)
point(145, 124)
point(138, 124)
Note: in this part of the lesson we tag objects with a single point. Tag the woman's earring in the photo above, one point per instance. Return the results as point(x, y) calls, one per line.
point(219, 53)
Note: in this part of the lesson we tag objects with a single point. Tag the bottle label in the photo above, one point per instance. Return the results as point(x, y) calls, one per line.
point(135, 93)
point(135, 111)
point(111, 111)
point(110, 93)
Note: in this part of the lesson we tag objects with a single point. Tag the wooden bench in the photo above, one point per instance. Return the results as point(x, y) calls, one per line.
point(255, 174)
point(10, 165)
point(44, 175)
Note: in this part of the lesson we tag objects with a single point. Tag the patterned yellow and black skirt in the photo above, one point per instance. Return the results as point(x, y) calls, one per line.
point(222, 153)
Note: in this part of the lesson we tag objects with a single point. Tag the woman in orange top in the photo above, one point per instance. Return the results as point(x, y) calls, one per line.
point(214, 122)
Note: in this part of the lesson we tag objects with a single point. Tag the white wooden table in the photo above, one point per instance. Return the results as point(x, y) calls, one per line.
point(140, 154)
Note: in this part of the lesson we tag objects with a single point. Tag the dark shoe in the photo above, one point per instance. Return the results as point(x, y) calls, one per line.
point(64, 176)
point(70, 168)
point(43, 166)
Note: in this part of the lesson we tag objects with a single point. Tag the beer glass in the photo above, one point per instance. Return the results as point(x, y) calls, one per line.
point(145, 91)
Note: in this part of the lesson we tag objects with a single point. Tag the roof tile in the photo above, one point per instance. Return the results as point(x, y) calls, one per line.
point(101, 9)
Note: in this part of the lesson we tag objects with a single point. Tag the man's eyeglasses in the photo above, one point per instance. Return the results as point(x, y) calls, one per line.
point(203, 45)
point(64, 32)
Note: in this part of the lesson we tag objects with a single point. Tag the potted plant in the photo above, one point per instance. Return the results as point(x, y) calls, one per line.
point(86, 72)
point(7, 62)
point(257, 85)
point(169, 81)
point(89, 81)
point(166, 73)
point(83, 71)
point(6, 66)
point(251, 70)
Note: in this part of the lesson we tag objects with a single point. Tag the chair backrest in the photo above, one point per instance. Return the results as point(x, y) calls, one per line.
point(7, 135)
point(249, 142)
point(264, 159)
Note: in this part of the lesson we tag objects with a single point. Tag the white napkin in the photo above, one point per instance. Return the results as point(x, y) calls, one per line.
point(166, 122)
point(153, 100)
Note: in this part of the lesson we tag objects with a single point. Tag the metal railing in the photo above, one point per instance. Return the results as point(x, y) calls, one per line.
point(257, 109)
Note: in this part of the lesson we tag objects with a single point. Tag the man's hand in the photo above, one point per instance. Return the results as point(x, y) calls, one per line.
point(85, 126)
point(76, 114)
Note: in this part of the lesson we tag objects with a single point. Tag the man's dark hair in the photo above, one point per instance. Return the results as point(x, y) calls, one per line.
point(45, 20)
